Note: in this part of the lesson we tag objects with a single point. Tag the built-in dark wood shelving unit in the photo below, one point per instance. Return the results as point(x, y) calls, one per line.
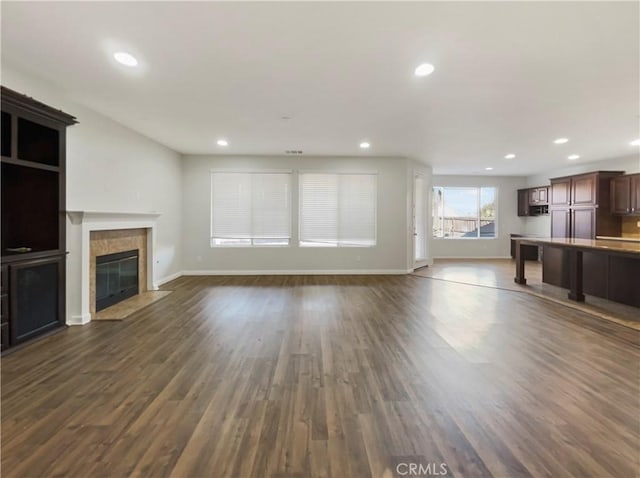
point(32, 238)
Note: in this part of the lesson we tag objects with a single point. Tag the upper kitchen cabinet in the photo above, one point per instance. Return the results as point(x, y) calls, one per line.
point(539, 196)
point(584, 190)
point(523, 202)
point(625, 195)
point(533, 201)
point(560, 192)
point(580, 206)
point(635, 194)
point(575, 190)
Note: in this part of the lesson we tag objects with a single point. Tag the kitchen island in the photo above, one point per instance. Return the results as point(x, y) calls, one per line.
point(611, 268)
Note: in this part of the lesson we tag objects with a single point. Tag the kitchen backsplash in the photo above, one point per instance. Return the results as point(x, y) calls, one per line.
point(631, 227)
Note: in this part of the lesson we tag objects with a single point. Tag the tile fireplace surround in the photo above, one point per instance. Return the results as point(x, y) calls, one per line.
point(92, 233)
point(112, 241)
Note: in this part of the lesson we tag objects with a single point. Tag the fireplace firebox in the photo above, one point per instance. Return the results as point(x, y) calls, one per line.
point(116, 278)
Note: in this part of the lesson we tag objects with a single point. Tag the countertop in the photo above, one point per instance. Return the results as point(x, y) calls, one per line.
point(628, 239)
point(626, 247)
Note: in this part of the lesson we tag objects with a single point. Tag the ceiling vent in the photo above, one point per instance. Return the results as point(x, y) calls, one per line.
point(293, 151)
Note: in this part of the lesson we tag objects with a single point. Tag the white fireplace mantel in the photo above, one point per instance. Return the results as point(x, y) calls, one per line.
point(78, 217)
point(79, 228)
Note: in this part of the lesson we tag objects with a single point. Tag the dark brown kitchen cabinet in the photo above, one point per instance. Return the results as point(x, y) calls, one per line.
point(583, 223)
point(560, 222)
point(523, 202)
point(625, 195)
point(635, 194)
point(33, 226)
point(560, 192)
point(584, 190)
point(608, 276)
point(580, 206)
point(533, 201)
point(538, 196)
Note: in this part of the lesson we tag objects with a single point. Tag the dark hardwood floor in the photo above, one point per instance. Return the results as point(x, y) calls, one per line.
point(347, 376)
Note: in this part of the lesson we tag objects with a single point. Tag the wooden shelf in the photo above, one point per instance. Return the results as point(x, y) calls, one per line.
point(32, 215)
point(23, 256)
point(30, 164)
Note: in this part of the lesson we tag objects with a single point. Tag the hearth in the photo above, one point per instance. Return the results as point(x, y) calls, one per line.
point(116, 278)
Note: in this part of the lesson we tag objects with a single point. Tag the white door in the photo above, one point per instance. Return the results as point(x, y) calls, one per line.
point(419, 223)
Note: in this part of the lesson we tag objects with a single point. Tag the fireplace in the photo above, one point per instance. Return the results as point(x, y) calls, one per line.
point(96, 233)
point(116, 278)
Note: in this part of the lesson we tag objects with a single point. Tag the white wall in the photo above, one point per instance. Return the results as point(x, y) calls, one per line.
point(390, 253)
point(541, 225)
point(507, 218)
point(112, 168)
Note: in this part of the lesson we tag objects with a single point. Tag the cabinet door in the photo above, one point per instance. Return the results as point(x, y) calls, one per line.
point(523, 202)
point(583, 223)
point(543, 195)
point(620, 195)
point(561, 192)
point(533, 196)
point(37, 297)
point(583, 190)
point(4, 321)
point(635, 194)
point(623, 283)
point(560, 222)
point(555, 266)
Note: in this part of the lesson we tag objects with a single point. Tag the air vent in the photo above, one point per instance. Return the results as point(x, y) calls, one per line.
point(293, 151)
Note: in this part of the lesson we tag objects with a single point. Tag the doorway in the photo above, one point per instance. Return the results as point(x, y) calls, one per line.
point(419, 222)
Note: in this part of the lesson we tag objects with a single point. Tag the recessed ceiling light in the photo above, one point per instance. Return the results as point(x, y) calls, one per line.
point(561, 140)
point(222, 142)
point(424, 69)
point(125, 58)
point(364, 145)
point(510, 156)
point(635, 142)
point(573, 157)
point(489, 168)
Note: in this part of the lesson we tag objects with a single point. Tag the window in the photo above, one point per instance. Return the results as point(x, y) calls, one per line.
point(464, 213)
point(250, 209)
point(338, 209)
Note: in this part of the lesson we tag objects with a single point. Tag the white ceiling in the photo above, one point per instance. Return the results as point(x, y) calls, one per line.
point(510, 77)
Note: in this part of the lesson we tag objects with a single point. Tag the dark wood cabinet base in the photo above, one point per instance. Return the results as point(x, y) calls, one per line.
point(611, 277)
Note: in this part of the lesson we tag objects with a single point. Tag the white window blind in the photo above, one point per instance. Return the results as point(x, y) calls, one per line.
point(338, 209)
point(250, 209)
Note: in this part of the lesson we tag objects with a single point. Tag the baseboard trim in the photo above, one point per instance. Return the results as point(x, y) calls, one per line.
point(168, 278)
point(298, 272)
point(472, 257)
point(79, 319)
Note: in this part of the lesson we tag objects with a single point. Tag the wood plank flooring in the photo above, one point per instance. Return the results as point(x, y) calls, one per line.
point(499, 273)
point(328, 376)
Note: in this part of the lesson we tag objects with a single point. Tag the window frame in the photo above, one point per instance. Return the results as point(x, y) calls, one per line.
point(337, 244)
point(290, 239)
point(478, 216)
